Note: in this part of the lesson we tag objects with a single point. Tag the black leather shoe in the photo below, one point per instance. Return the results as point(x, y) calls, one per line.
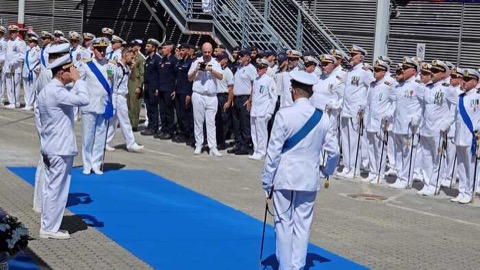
point(232, 150)
point(241, 151)
point(158, 135)
point(165, 136)
point(134, 129)
point(181, 138)
point(221, 146)
point(148, 132)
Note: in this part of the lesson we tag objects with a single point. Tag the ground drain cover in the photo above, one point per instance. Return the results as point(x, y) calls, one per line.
point(368, 197)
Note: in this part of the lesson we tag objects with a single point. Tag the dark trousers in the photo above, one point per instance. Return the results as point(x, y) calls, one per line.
point(241, 121)
point(151, 102)
point(167, 110)
point(184, 115)
point(222, 118)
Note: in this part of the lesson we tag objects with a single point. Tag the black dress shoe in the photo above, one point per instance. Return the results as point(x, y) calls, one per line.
point(148, 132)
point(134, 129)
point(165, 136)
point(158, 135)
point(181, 138)
point(232, 150)
point(221, 146)
point(241, 151)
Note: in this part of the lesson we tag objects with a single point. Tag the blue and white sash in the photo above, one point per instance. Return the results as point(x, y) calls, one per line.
point(30, 70)
point(468, 122)
point(303, 132)
point(42, 57)
point(109, 107)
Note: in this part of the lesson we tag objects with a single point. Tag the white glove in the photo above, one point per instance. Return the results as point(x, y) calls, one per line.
point(415, 121)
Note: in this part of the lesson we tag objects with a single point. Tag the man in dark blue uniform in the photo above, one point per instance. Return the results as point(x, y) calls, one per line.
point(166, 91)
point(183, 105)
point(151, 80)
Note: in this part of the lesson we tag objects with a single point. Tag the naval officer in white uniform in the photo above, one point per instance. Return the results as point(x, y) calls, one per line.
point(292, 169)
point(58, 141)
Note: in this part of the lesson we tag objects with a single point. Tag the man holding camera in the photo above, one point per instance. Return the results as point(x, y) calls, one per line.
point(204, 73)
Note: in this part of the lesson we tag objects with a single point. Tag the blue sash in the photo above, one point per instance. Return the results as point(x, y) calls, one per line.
point(42, 58)
point(110, 55)
point(468, 122)
point(303, 132)
point(109, 108)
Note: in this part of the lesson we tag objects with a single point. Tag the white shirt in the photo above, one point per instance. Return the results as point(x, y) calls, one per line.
point(471, 102)
point(271, 71)
point(328, 92)
point(406, 98)
point(379, 105)
point(14, 56)
point(439, 102)
point(243, 80)
point(298, 168)
point(286, 98)
point(57, 136)
point(278, 77)
point(264, 97)
point(222, 86)
point(205, 83)
point(97, 94)
point(120, 79)
point(115, 55)
point(3, 50)
point(356, 85)
point(33, 62)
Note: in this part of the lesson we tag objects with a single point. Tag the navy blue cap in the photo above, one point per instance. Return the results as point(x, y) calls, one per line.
point(244, 52)
point(222, 56)
point(199, 54)
point(270, 53)
point(282, 57)
point(309, 53)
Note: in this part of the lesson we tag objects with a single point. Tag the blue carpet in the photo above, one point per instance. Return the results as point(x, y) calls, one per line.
point(171, 227)
point(22, 262)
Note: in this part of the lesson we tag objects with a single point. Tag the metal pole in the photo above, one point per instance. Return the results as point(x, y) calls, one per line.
point(382, 27)
point(299, 41)
point(21, 13)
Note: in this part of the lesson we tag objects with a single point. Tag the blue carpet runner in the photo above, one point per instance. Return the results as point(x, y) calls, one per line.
point(171, 227)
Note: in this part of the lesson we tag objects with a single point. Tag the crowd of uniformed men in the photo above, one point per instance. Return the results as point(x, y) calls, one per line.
point(418, 121)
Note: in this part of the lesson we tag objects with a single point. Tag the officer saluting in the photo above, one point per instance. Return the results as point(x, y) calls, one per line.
point(299, 136)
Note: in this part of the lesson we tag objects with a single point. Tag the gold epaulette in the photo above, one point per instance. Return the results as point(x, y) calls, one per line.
point(88, 60)
point(446, 84)
point(339, 78)
point(112, 62)
point(388, 83)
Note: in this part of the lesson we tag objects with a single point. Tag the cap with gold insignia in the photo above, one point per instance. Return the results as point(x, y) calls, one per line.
point(88, 36)
point(32, 34)
point(46, 34)
point(309, 60)
point(470, 73)
point(426, 68)
point(338, 54)
point(3, 29)
point(294, 54)
point(262, 63)
point(153, 42)
point(303, 77)
point(385, 59)
point(136, 42)
point(450, 65)
point(58, 33)
point(383, 65)
point(99, 42)
point(72, 35)
point(457, 72)
point(116, 39)
point(439, 65)
point(58, 49)
point(33, 39)
point(13, 28)
point(358, 50)
point(107, 31)
point(408, 62)
point(64, 61)
point(328, 58)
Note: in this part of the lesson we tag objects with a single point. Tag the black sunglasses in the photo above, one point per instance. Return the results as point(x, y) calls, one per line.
point(378, 70)
point(435, 71)
point(467, 79)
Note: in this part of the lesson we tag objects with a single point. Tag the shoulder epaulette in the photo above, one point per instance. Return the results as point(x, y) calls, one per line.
point(88, 60)
point(388, 83)
point(112, 62)
point(446, 84)
point(418, 81)
point(339, 78)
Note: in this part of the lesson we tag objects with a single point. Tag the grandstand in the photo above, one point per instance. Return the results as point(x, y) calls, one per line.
point(448, 28)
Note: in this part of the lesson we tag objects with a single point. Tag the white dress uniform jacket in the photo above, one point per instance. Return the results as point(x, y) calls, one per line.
point(264, 97)
point(379, 105)
point(98, 95)
point(31, 68)
point(328, 92)
point(14, 56)
point(356, 85)
point(406, 98)
point(3, 51)
point(439, 102)
point(298, 168)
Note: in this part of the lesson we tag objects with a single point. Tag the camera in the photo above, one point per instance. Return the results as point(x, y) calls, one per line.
point(202, 65)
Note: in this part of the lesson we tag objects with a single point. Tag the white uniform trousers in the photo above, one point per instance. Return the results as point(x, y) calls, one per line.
point(12, 84)
point(403, 154)
point(430, 161)
point(364, 150)
point(259, 134)
point(448, 165)
point(93, 132)
point(39, 182)
point(55, 192)
point(374, 151)
point(465, 169)
point(29, 92)
point(2, 86)
point(391, 151)
point(349, 136)
point(204, 109)
point(293, 218)
point(121, 116)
